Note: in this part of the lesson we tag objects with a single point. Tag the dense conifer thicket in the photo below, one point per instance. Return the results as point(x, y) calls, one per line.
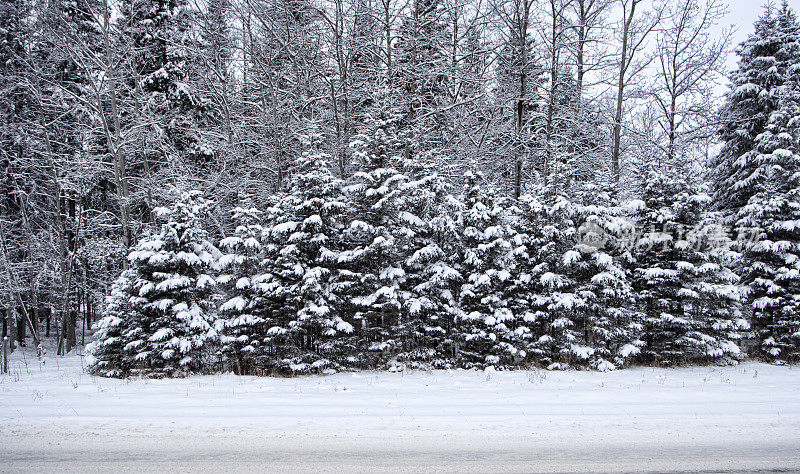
point(297, 186)
point(387, 270)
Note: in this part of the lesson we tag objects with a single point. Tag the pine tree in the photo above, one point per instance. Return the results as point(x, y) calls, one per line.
point(552, 301)
point(17, 106)
point(420, 56)
point(609, 329)
point(433, 280)
point(581, 295)
point(245, 316)
point(533, 239)
point(156, 31)
point(420, 73)
point(765, 59)
point(154, 27)
point(175, 284)
point(757, 172)
point(304, 244)
point(16, 102)
point(774, 283)
point(486, 324)
point(379, 240)
point(689, 301)
point(110, 354)
point(773, 257)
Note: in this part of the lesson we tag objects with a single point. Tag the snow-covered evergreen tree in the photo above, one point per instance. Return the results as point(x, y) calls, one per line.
point(167, 103)
point(609, 330)
point(110, 355)
point(766, 61)
point(431, 242)
point(689, 301)
point(757, 173)
point(304, 245)
point(155, 29)
point(547, 237)
point(773, 273)
point(379, 237)
point(772, 259)
point(581, 295)
point(420, 70)
point(245, 316)
point(486, 324)
point(531, 241)
point(433, 280)
point(168, 327)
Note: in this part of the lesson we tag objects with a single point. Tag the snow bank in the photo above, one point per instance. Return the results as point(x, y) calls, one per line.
point(755, 399)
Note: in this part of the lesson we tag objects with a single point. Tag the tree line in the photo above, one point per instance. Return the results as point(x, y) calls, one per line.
point(389, 269)
point(564, 112)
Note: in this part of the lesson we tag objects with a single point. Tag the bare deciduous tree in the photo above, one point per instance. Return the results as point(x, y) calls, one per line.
point(691, 60)
point(635, 27)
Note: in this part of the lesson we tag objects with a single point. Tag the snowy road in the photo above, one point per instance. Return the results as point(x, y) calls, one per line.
point(54, 417)
point(406, 453)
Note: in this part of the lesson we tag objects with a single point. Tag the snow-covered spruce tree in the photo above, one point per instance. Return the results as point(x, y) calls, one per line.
point(157, 34)
point(547, 229)
point(772, 260)
point(430, 234)
point(486, 324)
point(110, 355)
point(534, 237)
point(433, 279)
point(773, 274)
point(303, 245)
point(245, 316)
point(64, 25)
point(209, 76)
point(420, 73)
point(168, 325)
point(765, 59)
point(609, 329)
point(757, 172)
point(581, 294)
point(379, 239)
point(688, 302)
point(719, 294)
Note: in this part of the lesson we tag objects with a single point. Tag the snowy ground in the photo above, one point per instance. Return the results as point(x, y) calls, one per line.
point(53, 416)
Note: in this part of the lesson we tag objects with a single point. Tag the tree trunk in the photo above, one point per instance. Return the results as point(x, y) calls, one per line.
point(581, 46)
point(387, 25)
point(113, 138)
point(623, 67)
point(32, 293)
point(72, 336)
point(522, 33)
point(672, 129)
point(5, 354)
point(64, 266)
point(519, 152)
point(20, 325)
point(551, 99)
point(13, 295)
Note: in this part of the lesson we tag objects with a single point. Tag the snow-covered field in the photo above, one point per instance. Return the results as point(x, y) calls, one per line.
point(53, 416)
